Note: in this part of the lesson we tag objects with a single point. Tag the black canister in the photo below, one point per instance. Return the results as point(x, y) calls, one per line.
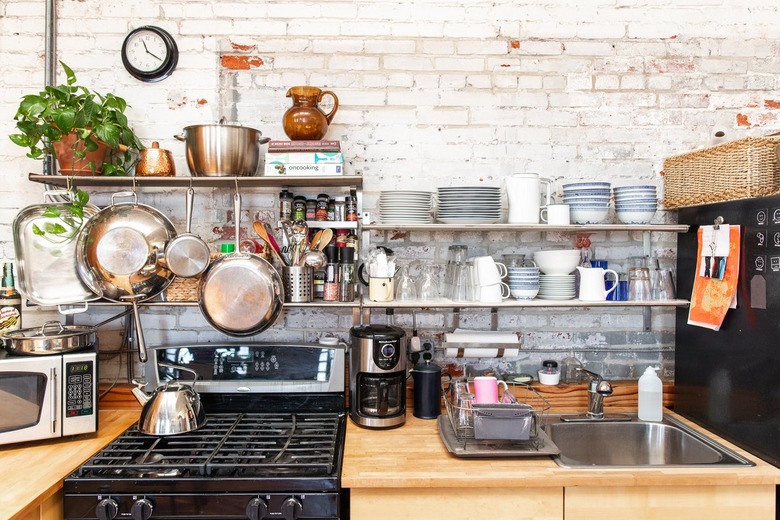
point(427, 390)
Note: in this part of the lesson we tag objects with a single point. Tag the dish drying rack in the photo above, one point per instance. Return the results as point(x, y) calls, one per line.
point(512, 427)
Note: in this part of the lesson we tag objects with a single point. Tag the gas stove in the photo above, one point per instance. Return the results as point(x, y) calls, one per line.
point(271, 446)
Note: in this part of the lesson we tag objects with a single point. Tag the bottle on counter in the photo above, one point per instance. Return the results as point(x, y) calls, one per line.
point(352, 241)
point(330, 292)
point(347, 276)
point(651, 396)
point(351, 206)
point(10, 302)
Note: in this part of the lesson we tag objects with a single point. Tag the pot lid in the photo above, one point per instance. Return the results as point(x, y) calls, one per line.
point(51, 330)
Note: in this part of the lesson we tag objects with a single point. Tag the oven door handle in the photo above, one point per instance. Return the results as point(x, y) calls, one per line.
point(54, 393)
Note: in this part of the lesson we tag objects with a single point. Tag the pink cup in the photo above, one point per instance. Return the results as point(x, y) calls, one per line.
point(486, 389)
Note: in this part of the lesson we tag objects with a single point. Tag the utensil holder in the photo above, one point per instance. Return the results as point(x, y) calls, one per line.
point(298, 283)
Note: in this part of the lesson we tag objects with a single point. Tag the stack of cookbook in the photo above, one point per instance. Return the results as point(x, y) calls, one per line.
point(304, 158)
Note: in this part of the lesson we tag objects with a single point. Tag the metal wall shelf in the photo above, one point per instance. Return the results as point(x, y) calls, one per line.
point(574, 228)
point(355, 181)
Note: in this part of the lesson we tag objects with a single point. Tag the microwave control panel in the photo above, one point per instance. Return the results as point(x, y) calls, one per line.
point(79, 382)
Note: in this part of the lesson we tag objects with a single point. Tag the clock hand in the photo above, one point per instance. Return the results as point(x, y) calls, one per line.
point(153, 56)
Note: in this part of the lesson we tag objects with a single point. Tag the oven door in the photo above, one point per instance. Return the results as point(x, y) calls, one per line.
point(28, 393)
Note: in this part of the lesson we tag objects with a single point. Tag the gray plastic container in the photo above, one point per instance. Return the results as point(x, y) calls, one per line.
point(503, 421)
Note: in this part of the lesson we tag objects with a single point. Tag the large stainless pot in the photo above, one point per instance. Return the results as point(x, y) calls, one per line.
point(51, 338)
point(121, 255)
point(172, 409)
point(222, 150)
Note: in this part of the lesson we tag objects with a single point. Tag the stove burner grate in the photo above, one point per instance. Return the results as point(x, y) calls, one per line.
point(228, 445)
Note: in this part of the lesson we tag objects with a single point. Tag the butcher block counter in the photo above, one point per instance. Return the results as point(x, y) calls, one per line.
point(407, 473)
point(33, 471)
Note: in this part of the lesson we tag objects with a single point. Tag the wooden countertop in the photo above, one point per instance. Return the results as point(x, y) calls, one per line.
point(33, 471)
point(414, 456)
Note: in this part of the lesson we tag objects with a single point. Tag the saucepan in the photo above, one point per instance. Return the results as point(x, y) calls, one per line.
point(240, 294)
point(120, 255)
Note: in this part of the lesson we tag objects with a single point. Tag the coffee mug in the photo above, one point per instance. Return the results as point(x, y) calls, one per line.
point(486, 389)
point(555, 215)
point(381, 289)
point(494, 293)
point(489, 271)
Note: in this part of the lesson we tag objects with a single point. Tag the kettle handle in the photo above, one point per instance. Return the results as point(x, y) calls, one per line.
point(179, 367)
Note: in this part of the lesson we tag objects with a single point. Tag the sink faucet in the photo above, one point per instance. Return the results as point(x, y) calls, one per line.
point(598, 389)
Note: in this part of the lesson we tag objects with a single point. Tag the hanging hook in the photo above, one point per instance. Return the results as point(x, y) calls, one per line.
point(718, 222)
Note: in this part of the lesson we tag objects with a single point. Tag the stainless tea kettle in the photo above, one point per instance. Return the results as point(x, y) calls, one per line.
point(171, 409)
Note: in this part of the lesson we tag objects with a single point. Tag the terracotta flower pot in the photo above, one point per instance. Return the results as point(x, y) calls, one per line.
point(71, 164)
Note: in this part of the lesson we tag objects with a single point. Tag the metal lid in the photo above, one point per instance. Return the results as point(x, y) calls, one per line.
point(51, 330)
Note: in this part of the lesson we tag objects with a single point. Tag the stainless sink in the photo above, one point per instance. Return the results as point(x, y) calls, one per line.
point(606, 444)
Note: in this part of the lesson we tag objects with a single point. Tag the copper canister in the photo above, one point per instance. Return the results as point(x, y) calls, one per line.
point(155, 161)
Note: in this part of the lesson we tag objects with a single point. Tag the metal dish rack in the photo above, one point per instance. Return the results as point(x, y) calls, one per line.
point(537, 442)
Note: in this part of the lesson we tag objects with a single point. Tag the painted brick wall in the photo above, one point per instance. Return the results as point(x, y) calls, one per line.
point(433, 93)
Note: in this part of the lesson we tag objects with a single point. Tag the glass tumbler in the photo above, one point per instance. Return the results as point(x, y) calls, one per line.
point(663, 285)
point(639, 288)
point(405, 289)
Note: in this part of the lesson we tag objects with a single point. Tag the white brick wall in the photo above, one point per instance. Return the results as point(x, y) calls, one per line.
point(433, 93)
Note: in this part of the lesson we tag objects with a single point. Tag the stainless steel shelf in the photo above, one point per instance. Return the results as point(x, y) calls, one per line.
point(512, 303)
point(201, 182)
point(574, 228)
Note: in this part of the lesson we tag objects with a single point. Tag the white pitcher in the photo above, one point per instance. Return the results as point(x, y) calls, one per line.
point(592, 286)
point(523, 192)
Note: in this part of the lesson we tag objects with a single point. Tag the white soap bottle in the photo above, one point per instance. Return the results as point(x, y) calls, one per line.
point(651, 396)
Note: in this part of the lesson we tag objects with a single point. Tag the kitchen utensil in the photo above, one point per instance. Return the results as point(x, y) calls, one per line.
point(489, 271)
point(220, 150)
point(592, 283)
point(51, 338)
point(315, 259)
point(315, 240)
point(120, 255)
point(155, 161)
point(639, 288)
point(46, 270)
point(663, 285)
point(263, 233)
point(325, 238)
point(494, 293)
point(300, 240)
point(304, 119)
point(523, 195)
point(172, 408)
point(555, 215)
point(240, 294)
point(486, 389)
point(298, 283)
point(187, 255)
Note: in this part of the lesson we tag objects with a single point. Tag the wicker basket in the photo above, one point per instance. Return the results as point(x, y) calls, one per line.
point(185, 289)
point(734, 170)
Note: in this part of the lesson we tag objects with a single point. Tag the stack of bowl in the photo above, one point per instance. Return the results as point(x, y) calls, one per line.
point(635, 204)
point(557, 282)
point(588, 201)
point(523, 282)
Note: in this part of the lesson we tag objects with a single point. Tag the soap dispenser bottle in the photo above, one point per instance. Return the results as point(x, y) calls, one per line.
point(651, 396)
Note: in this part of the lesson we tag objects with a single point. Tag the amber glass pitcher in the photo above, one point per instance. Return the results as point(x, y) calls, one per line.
point(304, 119)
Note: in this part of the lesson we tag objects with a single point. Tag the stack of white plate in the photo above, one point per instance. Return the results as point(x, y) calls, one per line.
point(405, 207)
point(469, 205)
point(635, 204)
point(557, 287)
point(588, 201)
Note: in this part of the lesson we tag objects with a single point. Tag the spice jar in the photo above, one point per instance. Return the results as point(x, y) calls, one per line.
point(285, 205)
point(321, 209)
point(299, 208)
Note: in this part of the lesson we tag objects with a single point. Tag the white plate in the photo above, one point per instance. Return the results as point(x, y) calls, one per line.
point(468, 220)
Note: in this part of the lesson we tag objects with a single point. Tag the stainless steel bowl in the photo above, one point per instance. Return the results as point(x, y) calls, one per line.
point(222, 150)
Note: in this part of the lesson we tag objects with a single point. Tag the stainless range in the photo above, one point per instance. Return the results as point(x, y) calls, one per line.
point(271, 446)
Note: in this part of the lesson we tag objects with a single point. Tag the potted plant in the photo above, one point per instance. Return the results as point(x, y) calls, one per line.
point(75, 123)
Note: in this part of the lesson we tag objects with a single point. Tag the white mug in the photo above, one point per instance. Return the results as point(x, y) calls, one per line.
point(489, 271)
point(556, 215)
point(494, 293)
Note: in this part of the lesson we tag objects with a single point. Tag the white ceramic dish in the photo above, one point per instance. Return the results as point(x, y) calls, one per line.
point(635, 217)
point(524, 294)
point(588, 215)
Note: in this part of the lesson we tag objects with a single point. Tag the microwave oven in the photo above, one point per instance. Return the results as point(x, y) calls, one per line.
point(47, 396)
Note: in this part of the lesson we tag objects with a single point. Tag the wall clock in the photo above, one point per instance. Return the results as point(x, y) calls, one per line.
point(149, 53)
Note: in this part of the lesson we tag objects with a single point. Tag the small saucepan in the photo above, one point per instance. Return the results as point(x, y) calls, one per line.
point(187, 255)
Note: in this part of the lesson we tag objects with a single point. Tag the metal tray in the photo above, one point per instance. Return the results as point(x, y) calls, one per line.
point(46, 271)
point(471, 448)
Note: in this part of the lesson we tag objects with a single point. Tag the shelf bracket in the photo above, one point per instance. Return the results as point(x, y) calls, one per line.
point(647, 251)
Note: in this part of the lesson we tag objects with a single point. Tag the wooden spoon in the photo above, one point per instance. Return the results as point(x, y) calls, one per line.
point(262, 233)
point(315, 240)
point(324, 239)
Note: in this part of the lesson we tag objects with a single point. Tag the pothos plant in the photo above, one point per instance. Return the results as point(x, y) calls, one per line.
point(57, 111)
point(66, 221)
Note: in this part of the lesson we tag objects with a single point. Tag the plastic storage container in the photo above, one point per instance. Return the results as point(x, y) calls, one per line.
point(651, 396)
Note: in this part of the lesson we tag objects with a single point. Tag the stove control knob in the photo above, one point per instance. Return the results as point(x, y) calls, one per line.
point(256, 509)
point(142, 509)
point(291, 509)
point(107, 509)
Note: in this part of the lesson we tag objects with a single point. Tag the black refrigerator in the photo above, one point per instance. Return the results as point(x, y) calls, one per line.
point(729, 381)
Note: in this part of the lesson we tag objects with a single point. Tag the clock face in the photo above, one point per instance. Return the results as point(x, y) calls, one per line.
point(149, 54)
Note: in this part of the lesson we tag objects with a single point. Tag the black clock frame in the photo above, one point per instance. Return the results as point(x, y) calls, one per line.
point(166, 68)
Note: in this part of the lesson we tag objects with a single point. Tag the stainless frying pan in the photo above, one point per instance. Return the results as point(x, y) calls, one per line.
point(120, 255)
point(187, 255)
point(240, 294)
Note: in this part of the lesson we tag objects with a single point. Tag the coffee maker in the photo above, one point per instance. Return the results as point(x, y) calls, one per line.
point(377, 376)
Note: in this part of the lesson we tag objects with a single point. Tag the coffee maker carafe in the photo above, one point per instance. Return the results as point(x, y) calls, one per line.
point(377, 376)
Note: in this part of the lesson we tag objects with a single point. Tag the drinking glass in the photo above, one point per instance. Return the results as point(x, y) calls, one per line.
point(428, 286)
point(405, 289)
point(456, 256)
point(639, 284)
point(663, 287)
point(460, 284)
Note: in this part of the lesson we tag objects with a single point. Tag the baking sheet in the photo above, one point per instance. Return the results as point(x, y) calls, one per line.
point(471, 448)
